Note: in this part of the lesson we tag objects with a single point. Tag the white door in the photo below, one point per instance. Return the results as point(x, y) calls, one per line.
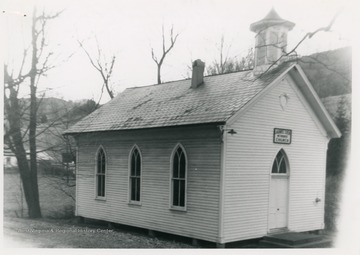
point(279, 189)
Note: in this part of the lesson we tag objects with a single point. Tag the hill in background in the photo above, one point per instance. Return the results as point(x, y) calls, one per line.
point(329, 72)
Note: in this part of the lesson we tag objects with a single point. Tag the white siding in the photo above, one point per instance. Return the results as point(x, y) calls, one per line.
point(203, 148)
point(249, 157)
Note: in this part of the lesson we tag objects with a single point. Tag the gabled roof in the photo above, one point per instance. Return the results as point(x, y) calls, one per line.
point(176, 103)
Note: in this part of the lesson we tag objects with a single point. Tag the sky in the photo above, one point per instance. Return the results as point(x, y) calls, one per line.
point(129, 29)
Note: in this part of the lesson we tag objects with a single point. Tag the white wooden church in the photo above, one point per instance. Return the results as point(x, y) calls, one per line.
point(220, 158)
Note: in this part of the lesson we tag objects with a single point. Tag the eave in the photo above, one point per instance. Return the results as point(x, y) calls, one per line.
point(313, 99)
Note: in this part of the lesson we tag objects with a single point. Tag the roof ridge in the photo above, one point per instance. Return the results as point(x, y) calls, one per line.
point(211, 75)
point(157, 84)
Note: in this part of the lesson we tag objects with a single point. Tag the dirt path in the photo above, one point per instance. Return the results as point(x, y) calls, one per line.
point(63, 234)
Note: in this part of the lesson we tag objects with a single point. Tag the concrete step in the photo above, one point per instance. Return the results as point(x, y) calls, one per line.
point(295, 240)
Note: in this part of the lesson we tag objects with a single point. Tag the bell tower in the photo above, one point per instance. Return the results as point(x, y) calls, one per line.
point(270, 40)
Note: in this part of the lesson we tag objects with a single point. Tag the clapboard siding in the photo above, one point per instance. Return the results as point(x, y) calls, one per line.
point(248, 161)
point(203, 148)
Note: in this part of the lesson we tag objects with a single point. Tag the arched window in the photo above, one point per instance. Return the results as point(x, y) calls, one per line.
point(280, 163)
point(100, 173)
point(135, 175)
point(178, 178)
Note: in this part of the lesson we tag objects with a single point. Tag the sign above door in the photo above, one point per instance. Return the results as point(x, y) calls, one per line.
point(282, 136)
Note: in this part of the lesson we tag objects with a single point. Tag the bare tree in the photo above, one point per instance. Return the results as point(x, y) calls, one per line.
point(104, 67)
point(14, 135)
point(227, 64)
point(159, 61)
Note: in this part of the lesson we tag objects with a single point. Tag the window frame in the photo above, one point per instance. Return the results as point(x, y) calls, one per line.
point(97, 197)
point(285, 158)
point(176, 207)
point(134, 202)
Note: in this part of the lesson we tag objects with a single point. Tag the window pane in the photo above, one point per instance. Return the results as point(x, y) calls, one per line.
point(282, 169)
point(182, 165)
point(98, 165)
point(274, 167)
point(138, 164)
point(98, 185)
point(102, 161)
point(133, 188)
point(132, 165)
point(176, 166)
point(182, 193)
point(176, 192)
point(101, 185)
point(137, 189)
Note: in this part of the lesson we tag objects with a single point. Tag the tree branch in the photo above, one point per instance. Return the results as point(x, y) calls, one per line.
point(101, 68)
point(165, 50)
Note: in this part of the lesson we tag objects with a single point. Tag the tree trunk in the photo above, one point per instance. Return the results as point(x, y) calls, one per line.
point(31, 193)
point(35, 211)
point(158, 75)
point(108, 89)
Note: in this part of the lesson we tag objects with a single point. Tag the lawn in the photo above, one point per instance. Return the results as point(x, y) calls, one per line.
point(56, 197)
point(58, 227)
point(51, 233)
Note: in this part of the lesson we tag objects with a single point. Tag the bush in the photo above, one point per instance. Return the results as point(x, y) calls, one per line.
point(332, 200)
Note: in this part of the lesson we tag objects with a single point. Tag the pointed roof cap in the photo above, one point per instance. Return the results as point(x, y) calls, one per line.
point(271, 19)
point(272, 15)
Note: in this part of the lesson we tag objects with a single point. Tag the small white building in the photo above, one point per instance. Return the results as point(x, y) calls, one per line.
point(220, 158)
point(9, 159)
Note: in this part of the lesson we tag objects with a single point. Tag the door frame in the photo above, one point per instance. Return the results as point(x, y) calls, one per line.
point(285, 229)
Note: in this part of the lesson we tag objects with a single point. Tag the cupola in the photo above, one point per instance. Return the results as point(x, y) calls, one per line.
point(270, 41)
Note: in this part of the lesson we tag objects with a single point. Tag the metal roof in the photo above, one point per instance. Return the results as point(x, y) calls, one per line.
point(176, 103)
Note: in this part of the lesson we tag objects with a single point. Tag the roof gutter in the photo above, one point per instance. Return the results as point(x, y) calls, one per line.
point(137, 129)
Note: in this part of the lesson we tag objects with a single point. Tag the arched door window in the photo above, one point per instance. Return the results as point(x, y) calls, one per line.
point(280, 165)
